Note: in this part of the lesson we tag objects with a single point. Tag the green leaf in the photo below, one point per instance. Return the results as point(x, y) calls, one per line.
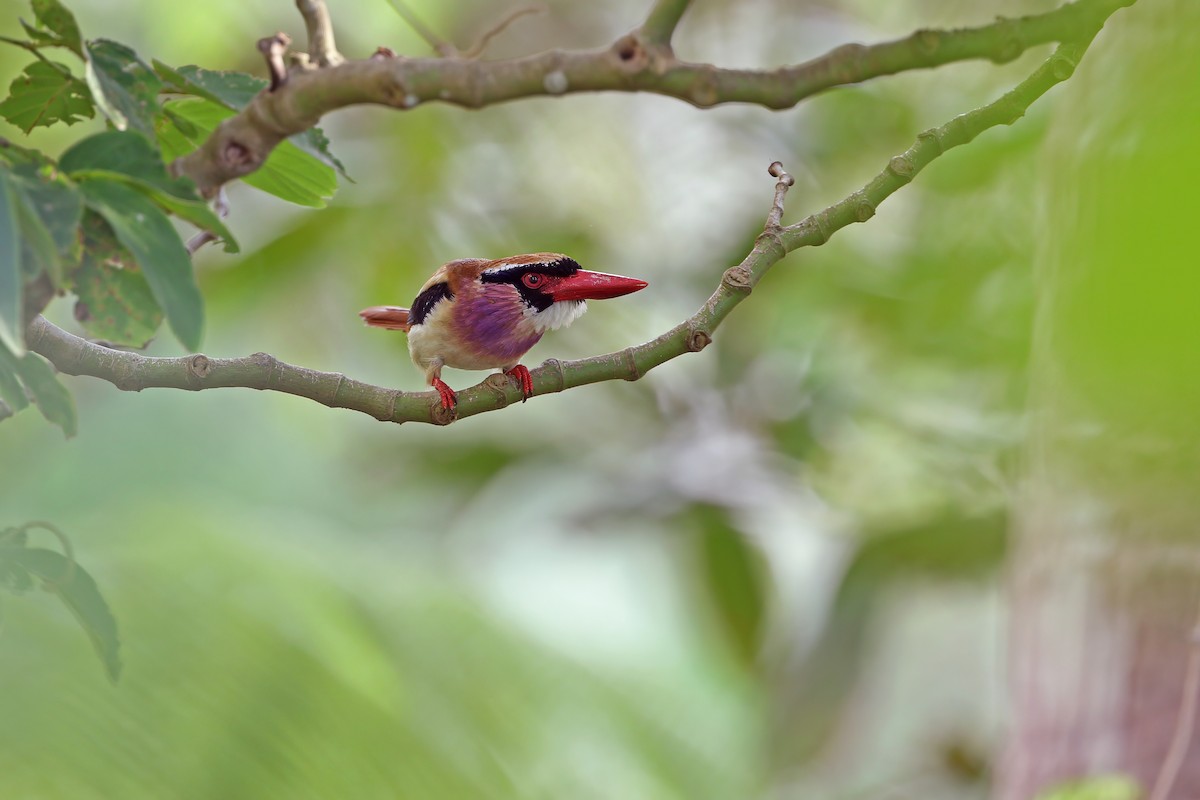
point(122, 85)
point(11, 328)
point(115, 301)
point(235, 90)
point(288, 174)
point(11, 390)
point(129, 157)
point(46, 94)
point(49, 210)
point(148, 235)
point(79, 592)
point(56, 203)
point(1107, 787)
point(733, 574)
point(15, 578)
point(54, 17)
point(49, 395)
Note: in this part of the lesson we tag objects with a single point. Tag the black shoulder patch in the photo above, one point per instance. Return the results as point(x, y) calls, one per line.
point(426, 300)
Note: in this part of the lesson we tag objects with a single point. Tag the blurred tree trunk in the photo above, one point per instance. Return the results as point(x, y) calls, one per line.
point(1105, 577)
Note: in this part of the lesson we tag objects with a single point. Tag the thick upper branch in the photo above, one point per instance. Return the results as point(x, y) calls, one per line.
point(132, 371)
point(241, 144)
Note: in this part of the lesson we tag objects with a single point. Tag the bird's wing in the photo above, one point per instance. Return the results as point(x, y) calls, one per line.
point(393, 318)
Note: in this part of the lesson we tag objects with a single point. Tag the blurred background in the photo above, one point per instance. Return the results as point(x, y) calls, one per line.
point(768, 570)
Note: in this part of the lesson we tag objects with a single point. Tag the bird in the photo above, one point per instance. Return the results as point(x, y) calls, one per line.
point(478, 313)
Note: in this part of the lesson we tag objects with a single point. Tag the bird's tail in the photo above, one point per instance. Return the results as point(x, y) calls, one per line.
point(393, 318)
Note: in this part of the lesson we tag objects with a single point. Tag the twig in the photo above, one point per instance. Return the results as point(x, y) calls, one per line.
point(781, 187)
point(242, 143)
point(1185, 723)
point(321, 47)
point(659, 26)
point(499, 28)
point(439, 45)
point(221, 206)
point(273, 49)
point(134, 372)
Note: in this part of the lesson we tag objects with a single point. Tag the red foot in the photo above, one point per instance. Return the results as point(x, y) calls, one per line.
point(449, 398)
point(524, 379)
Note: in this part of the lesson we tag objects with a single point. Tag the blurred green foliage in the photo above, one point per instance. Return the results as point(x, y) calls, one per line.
point(716, 582)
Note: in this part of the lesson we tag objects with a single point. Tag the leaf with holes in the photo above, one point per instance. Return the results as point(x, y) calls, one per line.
point(79, 592)
point(147, 233)
point(124, 88)
point(129, 157)
point(115, 302)
point(235, 90)
point(45, 94)
point(54, 17)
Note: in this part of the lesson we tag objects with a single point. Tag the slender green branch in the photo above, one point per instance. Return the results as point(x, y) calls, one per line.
point(660, 24)
point(134, 372)
point(439, 45)
point(242, 143)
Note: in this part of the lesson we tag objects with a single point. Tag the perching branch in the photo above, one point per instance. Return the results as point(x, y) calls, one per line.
point(242, 143)
point(134, 372)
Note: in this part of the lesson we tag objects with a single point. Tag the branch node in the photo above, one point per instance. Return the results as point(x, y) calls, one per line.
point(1010, 43)
point(441, 415)
point(556, 366)
point(738, 278)
point(631, 54)
point(630, 357)
point(864, 209)
point(498, 383)
point(199, 366)
point(704, 91)
point(1062, 66)
point(902, 167)
point(273, 48)
point(698, 340)
point(933, 135)
point(391, 412)
point(928, 41)
point(383, 53)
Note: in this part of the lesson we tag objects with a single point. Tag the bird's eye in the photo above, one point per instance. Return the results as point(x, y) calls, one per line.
point(532, 280)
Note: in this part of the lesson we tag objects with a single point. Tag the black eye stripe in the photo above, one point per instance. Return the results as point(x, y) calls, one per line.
point(561, 268)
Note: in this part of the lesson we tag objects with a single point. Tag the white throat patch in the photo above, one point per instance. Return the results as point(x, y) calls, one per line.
point(558, 315)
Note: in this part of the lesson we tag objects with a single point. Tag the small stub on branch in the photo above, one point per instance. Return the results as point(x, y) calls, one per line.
point(273, 49)
point(782, 181)
point(776, 171)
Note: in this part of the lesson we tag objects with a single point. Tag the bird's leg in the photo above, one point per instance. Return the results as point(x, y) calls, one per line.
point(449, 398)
point(524, 380)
